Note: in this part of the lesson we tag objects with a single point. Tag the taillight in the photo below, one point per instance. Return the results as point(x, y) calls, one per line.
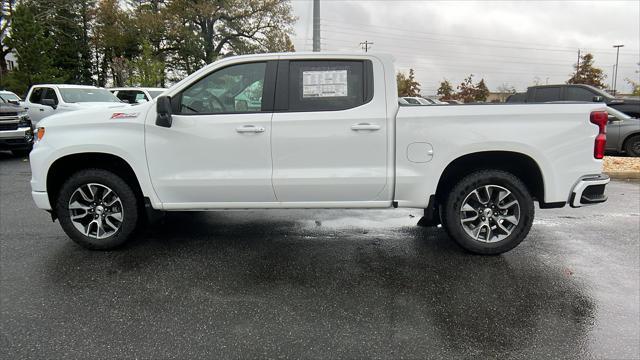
point(600, 118)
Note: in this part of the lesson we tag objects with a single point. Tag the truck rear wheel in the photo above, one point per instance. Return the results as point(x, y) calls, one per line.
point(97, 209)
point(488, 212)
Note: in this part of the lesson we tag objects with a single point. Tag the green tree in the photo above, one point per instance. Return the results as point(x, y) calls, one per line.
point(481, 91)
point(150, 18)
point(230, 27)
point(6, 14)
point(635, 84)
point(407, 85)
point(586, 73)
point(470, 92)
point(445, 91)
point(147, 70)
point(33, 49)
point(116, 42)
point(466, 90)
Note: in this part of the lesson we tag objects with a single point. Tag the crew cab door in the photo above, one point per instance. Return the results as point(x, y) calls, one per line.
point(217, 150)
point(329, 141)
point(36, 110)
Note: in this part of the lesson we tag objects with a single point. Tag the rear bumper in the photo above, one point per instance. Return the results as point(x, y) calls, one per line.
point(589, 191)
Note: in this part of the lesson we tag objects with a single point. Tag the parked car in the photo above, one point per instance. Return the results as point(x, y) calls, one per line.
point(329, 134)
point(623, 133)
point(10, 97)
point(402, 101)
point(49, 99)
point(436, 101)
point(576, 92)
point(455, 102)
point(415, 100)
point(16, 132)
point(136, 95)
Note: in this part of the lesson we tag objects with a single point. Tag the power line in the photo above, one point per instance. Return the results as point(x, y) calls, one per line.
point(446, 42)
point(358, 27)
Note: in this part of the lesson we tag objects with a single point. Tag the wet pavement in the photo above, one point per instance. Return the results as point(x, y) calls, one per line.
point(319, 284)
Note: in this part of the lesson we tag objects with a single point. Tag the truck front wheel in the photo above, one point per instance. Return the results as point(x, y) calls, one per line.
point(97, 209)
point(488, 212)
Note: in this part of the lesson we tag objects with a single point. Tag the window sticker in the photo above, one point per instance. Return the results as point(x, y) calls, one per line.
point(330, 83)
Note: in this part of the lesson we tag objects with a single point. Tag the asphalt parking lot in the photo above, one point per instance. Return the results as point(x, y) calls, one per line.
point(319, 284)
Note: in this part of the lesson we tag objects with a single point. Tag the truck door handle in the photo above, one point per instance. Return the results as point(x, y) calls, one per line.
point(365, 126)
point(250, 129)
point(41, 109)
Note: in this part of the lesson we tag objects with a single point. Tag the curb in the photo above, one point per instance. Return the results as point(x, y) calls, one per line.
point(623, 175)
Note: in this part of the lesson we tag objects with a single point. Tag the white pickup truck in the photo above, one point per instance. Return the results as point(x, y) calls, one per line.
point(316, 130)
point(49, 99)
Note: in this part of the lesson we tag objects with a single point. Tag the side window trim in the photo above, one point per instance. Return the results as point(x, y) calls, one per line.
point(268, 95)
point(282, 87)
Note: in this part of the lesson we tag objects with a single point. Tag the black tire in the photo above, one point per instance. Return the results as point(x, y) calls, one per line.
point(129, 204)
point(451, 211)
point(632, 146)
point(21, 152)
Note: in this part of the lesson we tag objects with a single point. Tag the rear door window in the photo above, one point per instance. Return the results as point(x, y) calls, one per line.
point(326, 85)
point(50, 94)
point(547, 94)
point(579, 94)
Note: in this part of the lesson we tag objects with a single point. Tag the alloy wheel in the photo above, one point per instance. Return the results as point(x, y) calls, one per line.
point(95, 210)
point(490, 213)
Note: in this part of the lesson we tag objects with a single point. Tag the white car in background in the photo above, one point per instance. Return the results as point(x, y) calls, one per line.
point(136, 95)
point(415, 100)
point(48, 99)
point(10, 97)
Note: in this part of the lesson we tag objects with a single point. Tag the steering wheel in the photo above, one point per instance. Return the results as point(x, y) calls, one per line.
point(212, 99)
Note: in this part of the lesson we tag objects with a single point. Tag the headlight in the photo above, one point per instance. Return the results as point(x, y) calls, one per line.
point(25, 121)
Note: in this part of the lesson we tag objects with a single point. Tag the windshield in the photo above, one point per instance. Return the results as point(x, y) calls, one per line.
point(154, 93)
point(7, 97)
point(618, 114)
point(79, 95)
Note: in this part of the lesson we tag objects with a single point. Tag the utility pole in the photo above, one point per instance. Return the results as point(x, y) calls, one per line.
point(613, 70)
point(615, 75)
point(316, 25)
point(578, 64)
point(365, 45)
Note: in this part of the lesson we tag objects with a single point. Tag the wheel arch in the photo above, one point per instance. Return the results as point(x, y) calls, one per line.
point(64, 167)
point(522, 166)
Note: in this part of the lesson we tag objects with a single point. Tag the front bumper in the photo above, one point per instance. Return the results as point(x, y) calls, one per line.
point(589, 191)
point(41, 198)
point(21, 138)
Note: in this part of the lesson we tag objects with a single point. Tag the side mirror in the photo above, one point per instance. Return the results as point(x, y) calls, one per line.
point(163, 109)
point(613, 119)
point(49, 102)
point(597, 99)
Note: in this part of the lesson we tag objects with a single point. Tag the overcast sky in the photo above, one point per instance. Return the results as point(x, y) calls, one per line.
point(504, 42)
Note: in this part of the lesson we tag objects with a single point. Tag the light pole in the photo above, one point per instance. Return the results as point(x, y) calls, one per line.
point(615, 75)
